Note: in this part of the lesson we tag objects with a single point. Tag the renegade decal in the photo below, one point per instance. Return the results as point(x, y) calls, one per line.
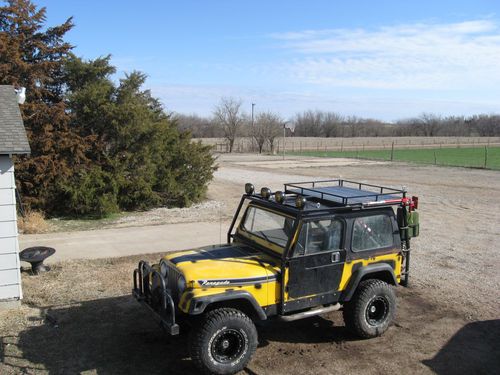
point(250, 280)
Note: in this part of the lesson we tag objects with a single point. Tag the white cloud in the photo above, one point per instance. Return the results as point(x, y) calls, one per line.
point(436, 56)
point(202, 99)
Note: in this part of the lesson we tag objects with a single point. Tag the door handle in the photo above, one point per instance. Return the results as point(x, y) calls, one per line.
point(335, 257)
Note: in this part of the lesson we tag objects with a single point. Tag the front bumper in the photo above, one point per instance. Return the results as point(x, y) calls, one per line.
point(161, 304)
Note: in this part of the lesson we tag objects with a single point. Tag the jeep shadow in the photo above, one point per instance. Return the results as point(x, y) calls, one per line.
point(473, 349)
point(109, 336)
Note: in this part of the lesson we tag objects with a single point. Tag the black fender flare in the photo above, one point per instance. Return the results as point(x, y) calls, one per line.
point(199, 304)
point(358, 275)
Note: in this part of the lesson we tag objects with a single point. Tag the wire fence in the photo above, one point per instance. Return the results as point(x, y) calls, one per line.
point(462, 152)
point(302, 144)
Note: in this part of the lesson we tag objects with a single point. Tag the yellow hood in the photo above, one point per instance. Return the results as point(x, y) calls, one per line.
point(223, 266)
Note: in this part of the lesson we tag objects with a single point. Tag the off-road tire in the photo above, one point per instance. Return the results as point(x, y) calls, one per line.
point(216, 329)
point(371, 309)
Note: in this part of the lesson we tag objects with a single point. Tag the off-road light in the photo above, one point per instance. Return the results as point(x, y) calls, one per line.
point(300, 202)
point(163, 268)
point(265, 192)
point(249, 188)
point(279, 197)
point(181, 284)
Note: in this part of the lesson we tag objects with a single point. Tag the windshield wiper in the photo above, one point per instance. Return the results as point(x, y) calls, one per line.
point(268, 238)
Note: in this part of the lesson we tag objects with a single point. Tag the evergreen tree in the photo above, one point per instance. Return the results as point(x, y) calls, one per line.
point(33, 57)
point(141, 150)
point(96, 147)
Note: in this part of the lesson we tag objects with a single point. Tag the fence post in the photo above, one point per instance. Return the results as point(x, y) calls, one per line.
point(435, 158)
point(485, 156)
point(342, 146)
point(392, 151)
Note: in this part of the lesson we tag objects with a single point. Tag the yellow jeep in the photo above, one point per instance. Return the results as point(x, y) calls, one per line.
point(309, 249)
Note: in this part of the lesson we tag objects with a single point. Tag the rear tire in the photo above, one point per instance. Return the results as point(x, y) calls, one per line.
point(371, 310)
point(223, 342)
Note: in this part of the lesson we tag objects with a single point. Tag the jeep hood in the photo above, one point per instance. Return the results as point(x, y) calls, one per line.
point(223, 266)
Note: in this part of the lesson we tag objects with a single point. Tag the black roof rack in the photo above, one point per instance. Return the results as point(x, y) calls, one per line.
point(340, 192)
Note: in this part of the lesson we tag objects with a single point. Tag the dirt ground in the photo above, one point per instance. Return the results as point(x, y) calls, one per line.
point(80, 318)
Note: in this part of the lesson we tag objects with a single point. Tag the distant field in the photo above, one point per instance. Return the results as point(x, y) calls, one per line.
point(459, 157)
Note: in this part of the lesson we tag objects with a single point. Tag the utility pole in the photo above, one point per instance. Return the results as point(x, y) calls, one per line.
point(253, 105)
point(253, 129)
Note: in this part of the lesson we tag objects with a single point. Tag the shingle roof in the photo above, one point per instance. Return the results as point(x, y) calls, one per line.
point(13, 139)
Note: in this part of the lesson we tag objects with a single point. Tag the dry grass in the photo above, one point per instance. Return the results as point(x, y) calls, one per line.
point(33, 222)
point(80, 318)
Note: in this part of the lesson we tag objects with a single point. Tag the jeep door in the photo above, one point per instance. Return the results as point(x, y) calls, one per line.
point(316, 264)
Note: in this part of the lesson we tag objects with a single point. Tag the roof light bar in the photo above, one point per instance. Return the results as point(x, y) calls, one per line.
point(265, 192)
point(249, 188)
point(279, 197)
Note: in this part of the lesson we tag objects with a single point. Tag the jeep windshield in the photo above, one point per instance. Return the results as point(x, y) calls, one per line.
point(267, 225)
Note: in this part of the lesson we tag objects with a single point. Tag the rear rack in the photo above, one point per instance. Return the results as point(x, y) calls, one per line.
point(347, 193)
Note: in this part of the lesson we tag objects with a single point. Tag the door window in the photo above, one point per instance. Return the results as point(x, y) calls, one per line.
point(319, 236)
point(372, 232)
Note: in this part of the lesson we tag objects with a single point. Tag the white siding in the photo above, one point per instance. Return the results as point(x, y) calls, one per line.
point(8, 261)
point(7, 228)
point(10, 277)
point(7, 197)
point(8, 245)
point(6, 179)
point(8, 213)
point(10, 291)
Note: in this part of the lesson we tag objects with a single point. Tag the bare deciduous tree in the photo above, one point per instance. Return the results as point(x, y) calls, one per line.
point(330, 123)
point(199, 127)
point(429, 124)
point(267, 127)
point(308, 124)
point(228, 116)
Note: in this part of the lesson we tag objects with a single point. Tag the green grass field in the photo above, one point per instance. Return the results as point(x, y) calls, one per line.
point(458, 157)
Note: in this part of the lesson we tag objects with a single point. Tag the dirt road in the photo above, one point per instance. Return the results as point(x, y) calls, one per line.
point(119, 242)
point(448, 320)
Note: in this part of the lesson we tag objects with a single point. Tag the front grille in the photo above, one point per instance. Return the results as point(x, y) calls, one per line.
point(172, 278)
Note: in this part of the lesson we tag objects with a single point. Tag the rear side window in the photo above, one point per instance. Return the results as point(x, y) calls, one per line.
point(372, 232)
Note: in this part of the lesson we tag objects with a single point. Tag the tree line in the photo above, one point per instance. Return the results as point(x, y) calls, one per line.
point(230, 121)
point(98, 146)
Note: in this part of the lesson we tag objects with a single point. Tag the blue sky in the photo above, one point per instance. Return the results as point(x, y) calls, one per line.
point(382, 59)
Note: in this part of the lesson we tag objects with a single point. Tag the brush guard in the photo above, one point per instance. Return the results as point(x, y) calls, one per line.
point(164, 310)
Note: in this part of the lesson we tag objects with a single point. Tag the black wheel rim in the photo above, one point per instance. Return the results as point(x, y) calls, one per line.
point(377, 311)
point(228, 346)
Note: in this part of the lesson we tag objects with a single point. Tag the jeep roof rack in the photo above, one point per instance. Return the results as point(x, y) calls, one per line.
point(345, 193)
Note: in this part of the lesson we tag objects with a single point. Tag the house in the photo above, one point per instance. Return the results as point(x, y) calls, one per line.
point(13, 141)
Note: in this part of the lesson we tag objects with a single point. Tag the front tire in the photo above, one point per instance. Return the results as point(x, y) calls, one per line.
point(371, 310)
point(223, 342)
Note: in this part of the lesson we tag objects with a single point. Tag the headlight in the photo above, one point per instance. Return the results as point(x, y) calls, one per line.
point(181, 284)
point(164, 269)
